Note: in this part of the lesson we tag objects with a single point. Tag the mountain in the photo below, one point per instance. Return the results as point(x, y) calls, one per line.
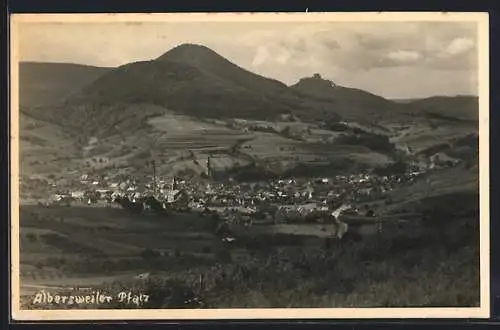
point(47, 83)
point(191, 80)
point(461, 107)
point(350, 103)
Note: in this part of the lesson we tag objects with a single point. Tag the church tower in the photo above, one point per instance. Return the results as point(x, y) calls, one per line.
point(209, 167)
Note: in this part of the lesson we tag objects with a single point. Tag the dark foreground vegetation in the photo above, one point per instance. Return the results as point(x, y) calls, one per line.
point(435, 266)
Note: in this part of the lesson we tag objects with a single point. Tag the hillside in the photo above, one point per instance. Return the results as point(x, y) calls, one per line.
point(48, 83)
point(350, 103)
point(461, 107)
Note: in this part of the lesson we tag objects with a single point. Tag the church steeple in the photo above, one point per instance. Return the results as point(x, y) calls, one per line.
point(209, 167)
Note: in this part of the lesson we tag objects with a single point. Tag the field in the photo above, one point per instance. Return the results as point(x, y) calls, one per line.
point(185, 133)
point(179, 142)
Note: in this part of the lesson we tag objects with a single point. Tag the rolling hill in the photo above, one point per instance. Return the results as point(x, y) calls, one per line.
point(460, 107)
point(47, 83)
point(350, 103)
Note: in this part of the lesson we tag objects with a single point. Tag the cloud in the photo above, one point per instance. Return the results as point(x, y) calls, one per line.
point(367, 46)
point(459, 45)
point(261, 56)
point(403, 56)
point(283, 57)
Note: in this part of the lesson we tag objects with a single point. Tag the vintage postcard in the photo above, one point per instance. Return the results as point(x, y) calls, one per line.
point(250, 166)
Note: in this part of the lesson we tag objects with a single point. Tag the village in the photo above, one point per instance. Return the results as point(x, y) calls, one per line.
point(287, 200)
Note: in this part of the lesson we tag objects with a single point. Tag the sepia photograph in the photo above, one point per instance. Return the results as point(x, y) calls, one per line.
point(249, 166)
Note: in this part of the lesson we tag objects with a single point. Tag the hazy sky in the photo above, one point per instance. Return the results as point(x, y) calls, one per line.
point(395, 60)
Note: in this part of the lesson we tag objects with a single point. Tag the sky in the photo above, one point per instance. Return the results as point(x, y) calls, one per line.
point(391, 59)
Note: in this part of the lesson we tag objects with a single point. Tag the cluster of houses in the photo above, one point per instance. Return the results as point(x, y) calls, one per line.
point(279, 201)
point(285, 200)
point(289, 198)
point(96, 190)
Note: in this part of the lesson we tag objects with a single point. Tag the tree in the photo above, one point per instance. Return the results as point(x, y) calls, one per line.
point(399, 167)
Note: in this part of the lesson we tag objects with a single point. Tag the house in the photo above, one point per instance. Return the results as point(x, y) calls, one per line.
point(103, 191)
point(78, 194)
point(172, 195)
point(55, 198)
point(135, 196)
point(440, 159)
point(116, 194)
point(228, 239)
